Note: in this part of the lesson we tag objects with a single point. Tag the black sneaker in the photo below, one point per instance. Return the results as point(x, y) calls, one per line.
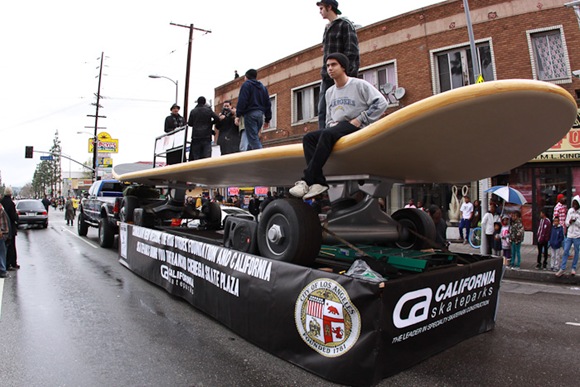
point(3, 275)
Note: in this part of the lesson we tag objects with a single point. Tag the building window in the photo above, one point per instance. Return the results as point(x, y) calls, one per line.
point(453, 66)
point(380, 75)
point(305, 103)
point(273, 99)
point(549, 54)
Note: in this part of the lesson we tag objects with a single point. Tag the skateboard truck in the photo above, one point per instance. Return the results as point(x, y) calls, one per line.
point(356, 215)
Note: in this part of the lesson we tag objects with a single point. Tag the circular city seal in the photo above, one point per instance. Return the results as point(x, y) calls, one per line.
point(326, 319)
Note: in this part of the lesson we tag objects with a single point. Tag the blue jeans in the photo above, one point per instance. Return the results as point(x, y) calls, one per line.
point(2, 256)
point(464, 223)
point(516, 254)
point(567, 245)
point(250, 139)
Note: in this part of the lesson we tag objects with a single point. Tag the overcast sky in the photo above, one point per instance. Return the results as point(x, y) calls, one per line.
point(50, 52)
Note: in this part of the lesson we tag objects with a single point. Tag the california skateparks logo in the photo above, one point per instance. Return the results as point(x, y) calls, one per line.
point(326, 319)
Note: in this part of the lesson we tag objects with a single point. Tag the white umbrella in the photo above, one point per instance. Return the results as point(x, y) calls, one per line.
point(508, 194)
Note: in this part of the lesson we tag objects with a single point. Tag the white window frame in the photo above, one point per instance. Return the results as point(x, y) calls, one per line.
point(435, 68)
point(293, 91)
point(535, 75)
point(274, 120)
point(380, 66)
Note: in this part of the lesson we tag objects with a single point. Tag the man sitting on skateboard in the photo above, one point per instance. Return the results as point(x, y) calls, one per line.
point(351, 104)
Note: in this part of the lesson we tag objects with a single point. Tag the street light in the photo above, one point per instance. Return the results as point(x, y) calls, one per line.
point(174, 82)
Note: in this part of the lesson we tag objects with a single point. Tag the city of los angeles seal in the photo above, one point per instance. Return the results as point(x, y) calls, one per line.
point(326, 319)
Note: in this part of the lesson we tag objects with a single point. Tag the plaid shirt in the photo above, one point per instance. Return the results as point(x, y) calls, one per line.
point(340, 36)
point(4, 224)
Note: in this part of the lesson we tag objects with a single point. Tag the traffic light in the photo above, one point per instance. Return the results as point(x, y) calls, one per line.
point(28, 152)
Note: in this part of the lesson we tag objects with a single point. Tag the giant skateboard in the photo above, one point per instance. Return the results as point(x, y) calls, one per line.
point(461, 135)
point(465, 134)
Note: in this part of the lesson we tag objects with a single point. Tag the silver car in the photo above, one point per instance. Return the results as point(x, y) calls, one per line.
point(32, 212)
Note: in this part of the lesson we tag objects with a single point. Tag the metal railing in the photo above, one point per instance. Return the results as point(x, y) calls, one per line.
point(172, 145)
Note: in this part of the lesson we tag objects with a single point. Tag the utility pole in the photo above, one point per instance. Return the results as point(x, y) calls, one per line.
point(95, 138)
point(186, 93)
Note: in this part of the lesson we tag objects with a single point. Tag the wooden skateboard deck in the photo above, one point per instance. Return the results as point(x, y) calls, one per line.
point(465, 134)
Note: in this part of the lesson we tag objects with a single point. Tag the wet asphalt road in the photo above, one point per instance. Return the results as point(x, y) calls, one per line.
point(73, 316)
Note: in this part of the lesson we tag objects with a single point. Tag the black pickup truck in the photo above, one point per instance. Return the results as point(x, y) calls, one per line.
point(100, 208)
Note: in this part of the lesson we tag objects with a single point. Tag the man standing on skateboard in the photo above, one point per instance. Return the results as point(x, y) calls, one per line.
point(256, 109)
point(339, 36)
point(352, 104)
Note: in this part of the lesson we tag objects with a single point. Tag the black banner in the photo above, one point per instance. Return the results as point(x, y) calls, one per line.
point(345, 330)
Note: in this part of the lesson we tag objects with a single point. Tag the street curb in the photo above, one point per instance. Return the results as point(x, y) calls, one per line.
point(541, 276)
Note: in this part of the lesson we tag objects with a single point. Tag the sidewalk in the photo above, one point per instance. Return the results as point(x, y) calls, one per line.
point(527, 271)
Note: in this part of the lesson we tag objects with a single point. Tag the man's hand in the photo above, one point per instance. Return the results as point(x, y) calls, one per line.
point(355, 122)
point(266, 125)
point(237, 121)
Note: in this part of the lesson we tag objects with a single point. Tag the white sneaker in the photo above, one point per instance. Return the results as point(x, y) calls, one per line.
point(300, 189)
point(315, 190)
point(560, 273)
point(573, 272)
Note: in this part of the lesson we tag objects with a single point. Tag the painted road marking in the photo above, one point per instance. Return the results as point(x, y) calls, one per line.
point(573, 324)
point(81, 238)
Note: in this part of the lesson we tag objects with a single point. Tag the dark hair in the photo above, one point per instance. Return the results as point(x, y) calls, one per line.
point(433, 209)
point(252, 74)
point(228, 101)
point(201, 101)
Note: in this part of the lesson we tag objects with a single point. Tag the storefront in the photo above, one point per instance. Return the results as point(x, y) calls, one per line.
point(556, 171)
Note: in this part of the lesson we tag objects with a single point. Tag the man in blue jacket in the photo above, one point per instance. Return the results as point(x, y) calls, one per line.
point(256, 110)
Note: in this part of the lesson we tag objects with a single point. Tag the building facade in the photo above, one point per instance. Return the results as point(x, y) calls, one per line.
point(427, 52)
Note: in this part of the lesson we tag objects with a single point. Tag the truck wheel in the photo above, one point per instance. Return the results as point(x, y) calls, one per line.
point(289, 230)
point(128, 206)
point(418, 222)
point(106, 234)
point(82, 227)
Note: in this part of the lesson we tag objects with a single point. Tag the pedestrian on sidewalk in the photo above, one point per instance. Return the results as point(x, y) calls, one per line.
point(487, 224)
point(572, 237)
point(505, 238)
point(516, 238)
point(555, 243)
point(543, 234)
point(497, 239)
point(561, 210)
point(466, 210)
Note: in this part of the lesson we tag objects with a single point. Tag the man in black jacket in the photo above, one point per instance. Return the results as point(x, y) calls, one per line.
point(10, 208)
point(201, 119)
point(174, 120)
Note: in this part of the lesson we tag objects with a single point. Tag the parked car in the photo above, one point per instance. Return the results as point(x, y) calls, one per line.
point(32, 212)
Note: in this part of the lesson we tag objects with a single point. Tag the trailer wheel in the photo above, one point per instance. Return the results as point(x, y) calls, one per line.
point(106, 233)
point(128, 206)
point(415, 221)
point(82, 227)
point(289, 230)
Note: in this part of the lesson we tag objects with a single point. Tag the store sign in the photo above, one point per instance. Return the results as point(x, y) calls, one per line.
point(105, 143)
point(567, 149)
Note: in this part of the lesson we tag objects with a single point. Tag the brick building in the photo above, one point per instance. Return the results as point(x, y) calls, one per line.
point(427, 52)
